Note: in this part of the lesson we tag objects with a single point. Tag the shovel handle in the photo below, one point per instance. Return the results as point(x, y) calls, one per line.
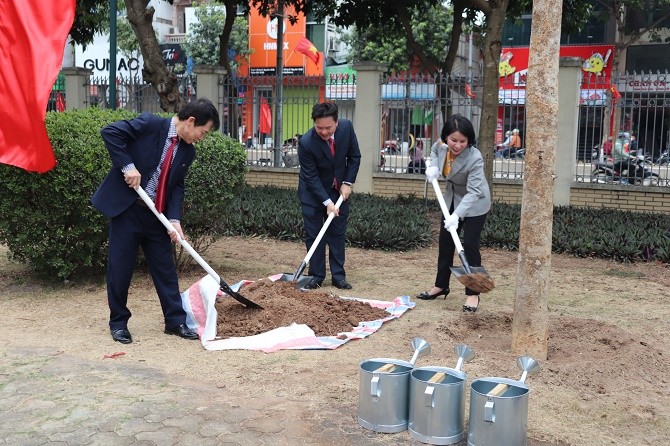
point(222, 284)
point(445, 212)
point(143, 195)
point(318, 238)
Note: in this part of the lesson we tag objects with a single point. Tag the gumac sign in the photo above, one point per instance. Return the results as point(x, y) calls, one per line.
point(96, 58)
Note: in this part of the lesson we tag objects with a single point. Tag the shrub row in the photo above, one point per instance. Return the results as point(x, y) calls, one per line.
point(47, 220)
point(622, 236)
point(375, 222)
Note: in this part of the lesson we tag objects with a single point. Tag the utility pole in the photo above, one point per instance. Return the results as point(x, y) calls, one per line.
point(112, 54)
point(278, 138)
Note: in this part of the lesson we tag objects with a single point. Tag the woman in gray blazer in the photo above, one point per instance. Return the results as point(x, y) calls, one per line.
point(468, 197)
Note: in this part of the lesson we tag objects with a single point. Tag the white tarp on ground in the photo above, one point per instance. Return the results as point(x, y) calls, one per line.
point(199, 302)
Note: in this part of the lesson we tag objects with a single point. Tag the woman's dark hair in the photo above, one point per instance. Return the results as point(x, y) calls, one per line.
point(323, 110)
point(458, 123)
point(202, 110)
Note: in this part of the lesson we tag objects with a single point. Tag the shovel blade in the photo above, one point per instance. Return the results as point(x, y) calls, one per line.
point(478, 279)
point(302, 280)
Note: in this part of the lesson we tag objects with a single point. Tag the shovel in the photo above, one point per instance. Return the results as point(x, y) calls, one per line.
point(222, 284)
point(298, 273)
point(474, 277)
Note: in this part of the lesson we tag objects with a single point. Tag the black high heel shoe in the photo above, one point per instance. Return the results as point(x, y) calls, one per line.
point(426, 296)
point(468, 308)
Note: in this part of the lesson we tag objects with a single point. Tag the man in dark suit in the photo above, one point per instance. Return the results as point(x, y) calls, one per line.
point(329, 161)
point(141, 150)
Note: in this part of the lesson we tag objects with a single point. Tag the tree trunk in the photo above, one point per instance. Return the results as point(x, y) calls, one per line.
point(155, 72)
point(224, 37)
point(492, 46)
point(529, 326)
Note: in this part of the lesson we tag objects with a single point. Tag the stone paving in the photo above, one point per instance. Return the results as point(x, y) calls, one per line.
point(51, 398)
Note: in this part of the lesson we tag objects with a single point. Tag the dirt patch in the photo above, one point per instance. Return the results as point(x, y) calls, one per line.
point(283, 304)
point(605, 379)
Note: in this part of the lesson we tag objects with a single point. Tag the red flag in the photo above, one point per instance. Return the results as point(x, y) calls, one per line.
point(265, 125)
point(32, 39)
point(615, 93)
point(469, 92)
point(307, 48)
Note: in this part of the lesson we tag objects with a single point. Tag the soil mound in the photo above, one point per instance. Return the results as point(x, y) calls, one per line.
point(283, 304)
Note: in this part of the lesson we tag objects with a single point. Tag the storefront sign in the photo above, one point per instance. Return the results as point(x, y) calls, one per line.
point(263, 34)
point(645, 82)
point(596, 65)
point(340, 82)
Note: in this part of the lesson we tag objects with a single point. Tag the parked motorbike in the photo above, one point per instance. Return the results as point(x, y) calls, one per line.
point(635, 172)
point(501, 151)
point(663, 158)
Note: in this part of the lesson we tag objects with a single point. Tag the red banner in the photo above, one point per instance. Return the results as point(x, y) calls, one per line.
point(596, 65)
point(32, 39)
point(265, 124)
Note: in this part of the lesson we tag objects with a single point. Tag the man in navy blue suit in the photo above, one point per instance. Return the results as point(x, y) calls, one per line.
point(140, 149)
point(329, 160)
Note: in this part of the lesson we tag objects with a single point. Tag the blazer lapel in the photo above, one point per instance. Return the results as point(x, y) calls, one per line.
point(461, 161)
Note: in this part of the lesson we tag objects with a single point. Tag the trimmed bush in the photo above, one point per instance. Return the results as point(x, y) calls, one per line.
point(47, 220)
point(374, 222)
point(622, 236)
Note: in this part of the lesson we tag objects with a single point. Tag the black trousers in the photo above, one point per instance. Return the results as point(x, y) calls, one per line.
point(134, 228)
point(334, 238)
point(471, 227)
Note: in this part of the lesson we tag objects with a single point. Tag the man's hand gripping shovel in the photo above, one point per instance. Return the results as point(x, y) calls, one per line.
point(222, 284)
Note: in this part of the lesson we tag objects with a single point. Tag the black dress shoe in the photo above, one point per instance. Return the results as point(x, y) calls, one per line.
point(182, 331)
point(426, 296)
point(121, 335)
point(312, 284)
point(341, 284)
point(471, 309)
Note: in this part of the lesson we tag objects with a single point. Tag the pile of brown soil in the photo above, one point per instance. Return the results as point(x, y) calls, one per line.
point(283, 304)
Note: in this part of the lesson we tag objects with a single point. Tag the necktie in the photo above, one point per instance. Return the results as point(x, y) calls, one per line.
point(331, 144)
point(162, 179)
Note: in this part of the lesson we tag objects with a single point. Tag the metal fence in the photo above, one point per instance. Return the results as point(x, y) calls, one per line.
point(411, 112)
point(411, 116)
point(631, 106)
point(133, 93)
point(57, 96)
point(255, 108)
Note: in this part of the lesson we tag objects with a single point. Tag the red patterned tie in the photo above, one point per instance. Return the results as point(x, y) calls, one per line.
point(331, 144)
point(162, 179)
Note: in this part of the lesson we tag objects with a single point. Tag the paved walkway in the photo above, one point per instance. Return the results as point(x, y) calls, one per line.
point(51, 398)
point(48, 398)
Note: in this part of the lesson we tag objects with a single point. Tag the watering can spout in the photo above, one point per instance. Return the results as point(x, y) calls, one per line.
point(464, 353)
point(421, 347)
point(528, 365)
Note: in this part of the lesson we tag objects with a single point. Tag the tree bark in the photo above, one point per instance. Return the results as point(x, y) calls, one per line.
point(224, 37)
point(496, 11)
point(530, 322)
point(155, 72)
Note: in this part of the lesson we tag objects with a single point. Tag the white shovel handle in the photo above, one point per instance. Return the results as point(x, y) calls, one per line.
point(323, 230)
point(445, 212)
point(143, 195)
